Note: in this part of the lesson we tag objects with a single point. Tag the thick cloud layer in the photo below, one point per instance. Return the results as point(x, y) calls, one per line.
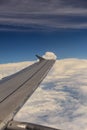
point(61, 100)
point(8, 69)
point(31, 15)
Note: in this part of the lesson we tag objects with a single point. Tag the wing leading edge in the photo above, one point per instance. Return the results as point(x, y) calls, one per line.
point(15, 90)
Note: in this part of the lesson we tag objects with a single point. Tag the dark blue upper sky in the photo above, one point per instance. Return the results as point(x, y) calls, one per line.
point(22, 46)
point(29, 27)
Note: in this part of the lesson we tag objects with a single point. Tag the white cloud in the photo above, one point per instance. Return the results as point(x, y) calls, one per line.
point(61, 100)
point(10, 68)
point(50, 55)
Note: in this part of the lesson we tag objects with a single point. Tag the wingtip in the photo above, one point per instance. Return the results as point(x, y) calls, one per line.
point(40, 58)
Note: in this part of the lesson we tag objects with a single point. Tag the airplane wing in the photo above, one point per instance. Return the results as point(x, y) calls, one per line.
point(17, 88)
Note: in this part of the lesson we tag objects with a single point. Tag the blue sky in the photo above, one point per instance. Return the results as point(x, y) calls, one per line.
point(22, 46)
point(30, 27)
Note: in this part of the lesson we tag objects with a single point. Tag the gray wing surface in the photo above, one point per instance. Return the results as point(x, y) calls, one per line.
point(16, 89)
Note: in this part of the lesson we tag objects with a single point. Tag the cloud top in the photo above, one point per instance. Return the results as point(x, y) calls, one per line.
point(50, 55)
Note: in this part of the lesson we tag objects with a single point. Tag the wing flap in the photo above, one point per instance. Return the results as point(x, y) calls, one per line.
point(15, 125)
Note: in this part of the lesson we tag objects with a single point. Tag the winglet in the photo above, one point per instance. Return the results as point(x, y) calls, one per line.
point(40, 58)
